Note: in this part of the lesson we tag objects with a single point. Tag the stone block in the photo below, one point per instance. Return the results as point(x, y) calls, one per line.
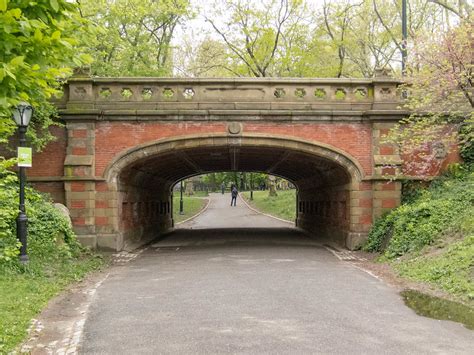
point(386, 194)
point(79, 160)
point(105, 229)
point(88, 240)
point(79, 195)
point(359, 211)
point(110, 242)
point(361, 194)
point(84, 229)
point(355, 240)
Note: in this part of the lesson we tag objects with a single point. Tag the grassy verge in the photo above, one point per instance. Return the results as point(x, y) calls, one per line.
point(450, 268)
point(430, 238)
point(191, 206)
point(25, 291)
point(281, 206)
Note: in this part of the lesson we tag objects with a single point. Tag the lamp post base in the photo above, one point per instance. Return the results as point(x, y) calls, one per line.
point(21, 229)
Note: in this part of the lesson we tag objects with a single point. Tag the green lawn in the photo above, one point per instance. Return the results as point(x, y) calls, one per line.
point(282, 206)
point(24, 294)
point(191, 206)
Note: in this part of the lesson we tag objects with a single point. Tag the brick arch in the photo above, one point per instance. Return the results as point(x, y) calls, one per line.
point(108, 140)
point(140, 180)
point(162, 146)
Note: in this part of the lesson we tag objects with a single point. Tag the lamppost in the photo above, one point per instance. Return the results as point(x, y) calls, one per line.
point(404, 36)
point(181, 210)
point(22, 116)
point(251, 186)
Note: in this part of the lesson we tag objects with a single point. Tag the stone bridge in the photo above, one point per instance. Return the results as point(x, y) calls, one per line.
point(127, 141)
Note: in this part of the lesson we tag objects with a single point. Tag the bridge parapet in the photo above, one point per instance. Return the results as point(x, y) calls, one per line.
point(199, 96)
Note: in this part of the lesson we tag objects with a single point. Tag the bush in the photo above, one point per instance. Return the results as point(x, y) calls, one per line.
point(466, 147)
point(445, 208)
point(50, 235)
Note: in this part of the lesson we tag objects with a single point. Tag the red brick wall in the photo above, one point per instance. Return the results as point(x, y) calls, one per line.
point(54, 189)
point(115, 137)
point(50, 162)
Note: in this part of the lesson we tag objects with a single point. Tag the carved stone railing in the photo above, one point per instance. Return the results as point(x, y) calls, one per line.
point(155, 95)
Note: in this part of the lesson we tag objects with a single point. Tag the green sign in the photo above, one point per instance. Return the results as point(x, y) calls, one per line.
point(25, 157)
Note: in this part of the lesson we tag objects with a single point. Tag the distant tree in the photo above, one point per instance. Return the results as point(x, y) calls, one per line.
point(257, 33)
point(39, 44)
point(208, 58)
point(440, 92)
point(135, 37)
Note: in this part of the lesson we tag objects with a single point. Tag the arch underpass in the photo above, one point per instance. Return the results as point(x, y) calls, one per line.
point(144, 176)
point(126, 141)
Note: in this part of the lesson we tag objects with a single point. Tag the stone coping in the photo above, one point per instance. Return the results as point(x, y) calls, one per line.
point(257, 81)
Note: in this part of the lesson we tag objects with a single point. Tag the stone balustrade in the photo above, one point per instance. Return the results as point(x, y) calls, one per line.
point(267, 94)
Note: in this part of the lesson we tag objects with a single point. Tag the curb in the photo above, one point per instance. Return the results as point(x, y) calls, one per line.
point(265, 214)
point(197, 214)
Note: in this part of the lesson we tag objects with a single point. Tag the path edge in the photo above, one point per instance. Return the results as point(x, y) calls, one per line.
point(265, 214)
point(197, 214)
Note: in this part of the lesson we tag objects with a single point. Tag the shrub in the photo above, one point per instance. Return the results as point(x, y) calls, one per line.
point(466, 147)
point(444, 208)
point(50, 235)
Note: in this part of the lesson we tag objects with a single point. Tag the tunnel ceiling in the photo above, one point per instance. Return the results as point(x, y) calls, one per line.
point(300, 168)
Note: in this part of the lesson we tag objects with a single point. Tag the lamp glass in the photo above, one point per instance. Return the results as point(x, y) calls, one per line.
point(22, 114)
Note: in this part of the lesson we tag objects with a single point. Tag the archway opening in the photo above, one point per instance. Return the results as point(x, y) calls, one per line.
point(145, 176)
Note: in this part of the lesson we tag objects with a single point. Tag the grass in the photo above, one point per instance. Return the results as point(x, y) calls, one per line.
point(281, 206)
point(430, 238)
point(450, 269)
point(25, 292)
point(191, 206)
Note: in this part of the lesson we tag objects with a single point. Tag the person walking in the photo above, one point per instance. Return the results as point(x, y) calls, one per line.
point(234, 194)
point(223, 188)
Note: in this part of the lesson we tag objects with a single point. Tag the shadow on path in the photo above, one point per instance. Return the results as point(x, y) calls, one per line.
point(274, 237)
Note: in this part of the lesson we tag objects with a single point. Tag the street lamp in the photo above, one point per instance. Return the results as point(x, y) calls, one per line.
point(404, 36)
point(181, 211)
point(22, 116)
point(251, 186)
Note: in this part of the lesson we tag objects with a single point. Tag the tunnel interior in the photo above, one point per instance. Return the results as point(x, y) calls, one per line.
point(144, 186)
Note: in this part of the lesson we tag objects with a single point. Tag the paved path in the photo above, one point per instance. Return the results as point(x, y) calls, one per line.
point(220, 214)
point(254, 291)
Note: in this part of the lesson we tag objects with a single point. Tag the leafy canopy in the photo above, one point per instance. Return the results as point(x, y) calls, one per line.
point(38, 46)
point(135, 35)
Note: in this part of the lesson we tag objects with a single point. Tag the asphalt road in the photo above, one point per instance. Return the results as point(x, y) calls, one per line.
point(220, 289)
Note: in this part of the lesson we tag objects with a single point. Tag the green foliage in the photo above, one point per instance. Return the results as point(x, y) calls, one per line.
point(380, 233)
point(9, 246)
point(50, 236)
point(411, 190)
point(38, 45)
point(135, 35)
point(466, 138)
point(259, 36)
point(281, 206)
point(451, 270)
point(244, 181)
point(56, 259)
point(25, 291)
point(418, 225)
point(444, 209)
point(191, 206)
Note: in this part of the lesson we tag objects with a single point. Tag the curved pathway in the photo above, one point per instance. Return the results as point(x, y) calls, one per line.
point(220, 214)
point(229, 283)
